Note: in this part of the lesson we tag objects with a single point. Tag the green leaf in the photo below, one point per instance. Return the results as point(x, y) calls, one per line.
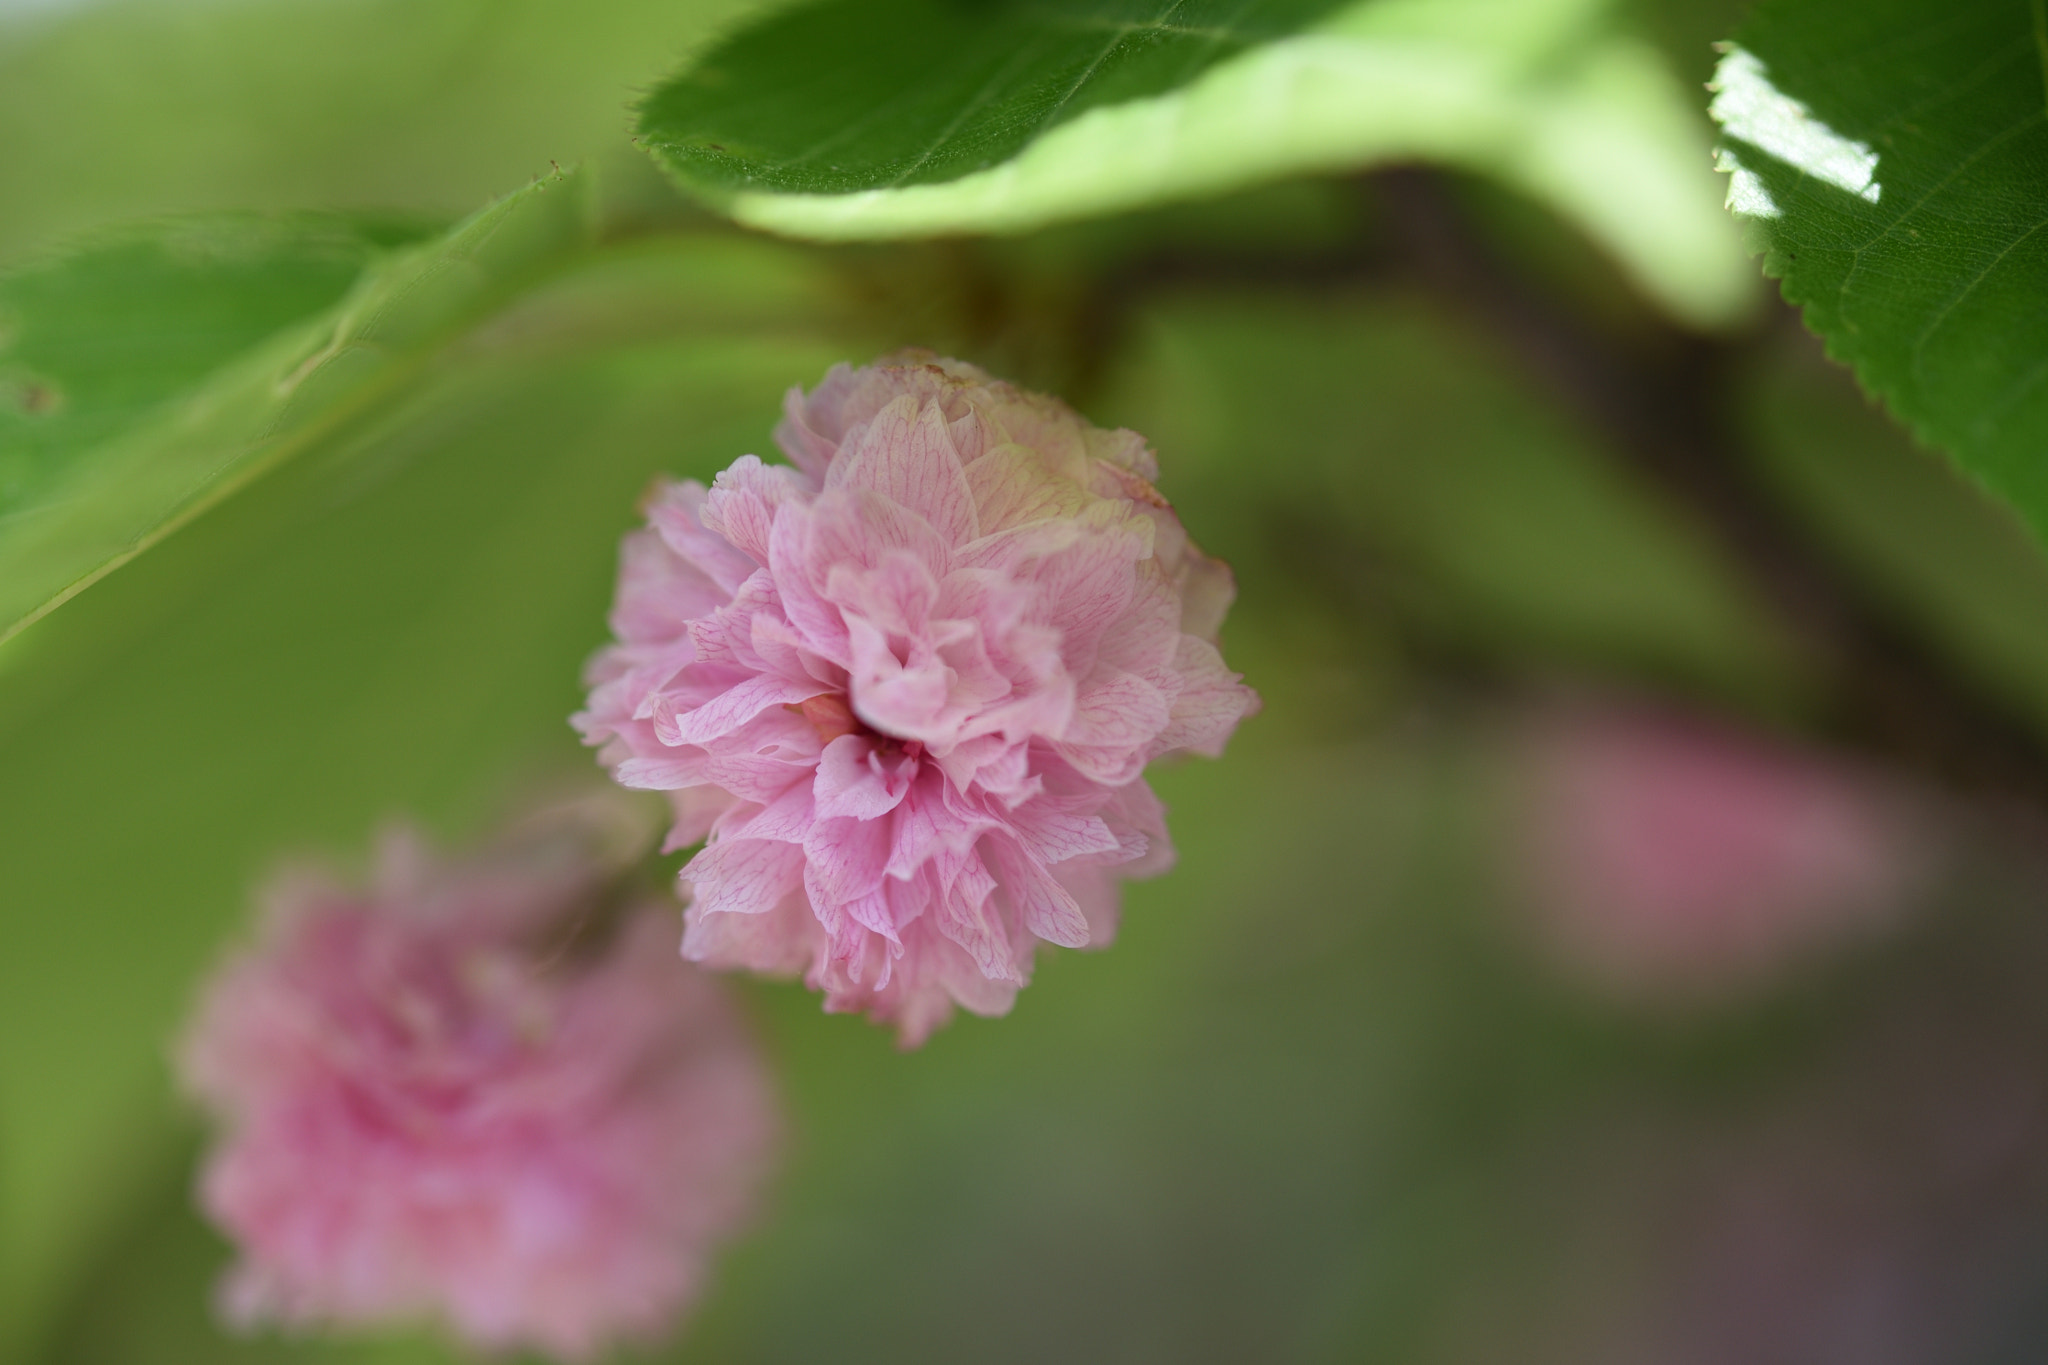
point(151, 375)
point(1891, 159)
point(96, 340)
point(917, 92)
point(850, 119)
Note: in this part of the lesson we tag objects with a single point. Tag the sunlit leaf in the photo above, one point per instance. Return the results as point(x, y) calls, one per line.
point(1891, 158)
point(149, 377)
point(851, 119)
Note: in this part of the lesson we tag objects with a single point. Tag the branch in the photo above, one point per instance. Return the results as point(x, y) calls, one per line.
point(1664, 410)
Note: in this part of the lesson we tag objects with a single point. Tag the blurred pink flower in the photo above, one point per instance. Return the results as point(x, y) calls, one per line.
point(1668, 852)
point(435, 1107)
point(908, 687)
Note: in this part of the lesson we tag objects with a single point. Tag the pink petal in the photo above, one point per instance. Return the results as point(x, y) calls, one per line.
point(817, 622)
point(662, 774)
point(743, 500)
point(1053, 836)
point(1115, 709)
point(781, 942)
point(906, 455)
point(966, 914)
point(1212, 701)
point(696, 809)
point(677, 515)
point(740, 704)
point(1047, 908)
point(845, 859)
point(742, 876)
point(785, 820)
point(854, 781)
point(1095, 889)
point(659, 591)
point(1011, 488)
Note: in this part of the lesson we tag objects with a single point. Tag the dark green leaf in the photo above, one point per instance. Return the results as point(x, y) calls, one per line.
point(862, 94)
point(1891, 157)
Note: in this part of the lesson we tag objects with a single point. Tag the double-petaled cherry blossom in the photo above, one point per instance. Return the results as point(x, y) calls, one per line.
point(1673, 856)
point(440, 1102)
point(908, 685)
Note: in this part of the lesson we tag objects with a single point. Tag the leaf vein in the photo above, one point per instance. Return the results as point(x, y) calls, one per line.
point(1955, 300)
point(1857, 253)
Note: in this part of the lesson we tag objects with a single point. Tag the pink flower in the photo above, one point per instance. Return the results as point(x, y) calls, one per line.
point(438, 1103)
point(1672, 853)
point(909, 686)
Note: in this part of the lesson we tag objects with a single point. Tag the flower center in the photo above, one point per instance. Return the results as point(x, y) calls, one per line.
point(831, 717)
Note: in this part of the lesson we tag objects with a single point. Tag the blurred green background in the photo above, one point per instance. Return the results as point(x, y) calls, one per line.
point(1328, 1098)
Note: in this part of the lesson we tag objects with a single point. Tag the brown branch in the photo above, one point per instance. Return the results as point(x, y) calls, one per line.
point(1664, 408)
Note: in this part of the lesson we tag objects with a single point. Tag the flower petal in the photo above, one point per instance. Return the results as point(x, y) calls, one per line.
point(906, 455)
